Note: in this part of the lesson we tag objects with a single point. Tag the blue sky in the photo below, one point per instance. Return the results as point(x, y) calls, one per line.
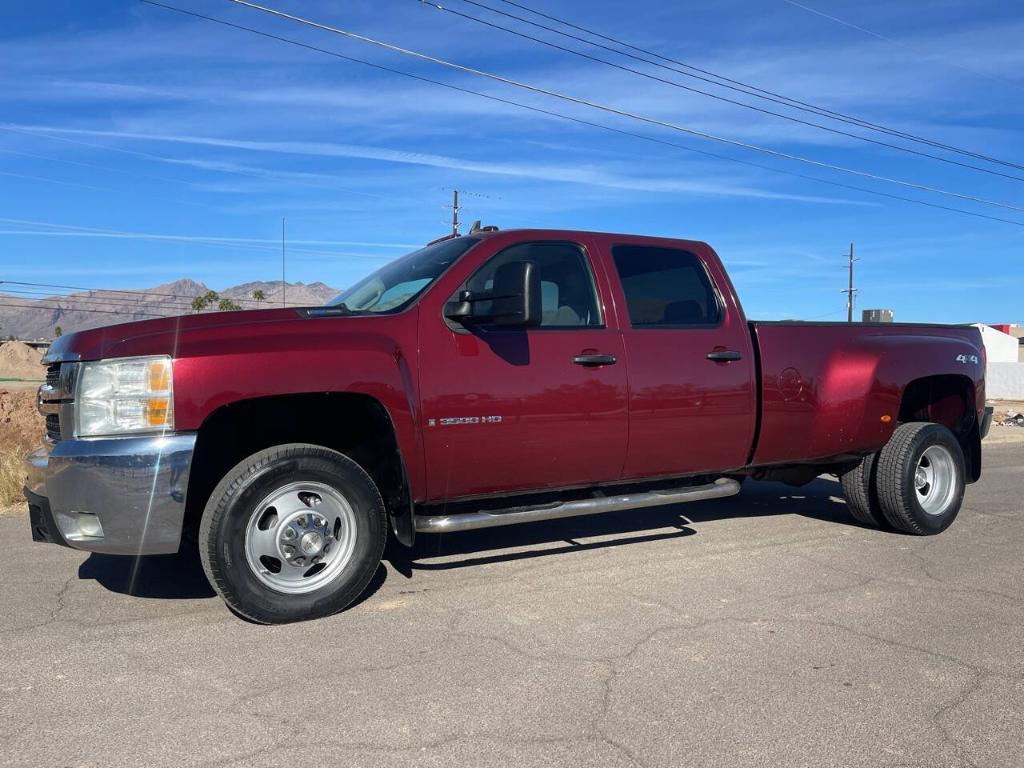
point(138, 146)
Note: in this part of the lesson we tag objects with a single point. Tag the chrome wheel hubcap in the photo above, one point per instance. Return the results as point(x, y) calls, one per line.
point(935, 480)
point(300, 537)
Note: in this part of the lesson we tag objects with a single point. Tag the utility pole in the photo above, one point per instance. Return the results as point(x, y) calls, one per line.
point(851, 291)
point(455, 212)
point(284, 285)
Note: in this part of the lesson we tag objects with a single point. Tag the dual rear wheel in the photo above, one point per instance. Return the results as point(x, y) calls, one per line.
point(914, 484)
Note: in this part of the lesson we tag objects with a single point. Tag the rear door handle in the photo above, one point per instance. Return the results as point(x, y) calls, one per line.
point(724, 356)
point(591, 361)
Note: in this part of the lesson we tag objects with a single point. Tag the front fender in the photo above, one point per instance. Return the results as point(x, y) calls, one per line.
point(355, 355)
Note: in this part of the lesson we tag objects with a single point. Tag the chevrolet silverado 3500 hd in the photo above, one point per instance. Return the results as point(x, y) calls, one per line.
point(484, 380)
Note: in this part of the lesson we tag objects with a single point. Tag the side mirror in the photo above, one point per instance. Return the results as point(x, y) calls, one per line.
point(513, 301)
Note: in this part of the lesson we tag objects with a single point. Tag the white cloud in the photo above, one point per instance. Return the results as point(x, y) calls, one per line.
point(570, 174)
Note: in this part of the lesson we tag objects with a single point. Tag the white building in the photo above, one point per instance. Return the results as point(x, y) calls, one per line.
point(1004, 375)
point(999, 347)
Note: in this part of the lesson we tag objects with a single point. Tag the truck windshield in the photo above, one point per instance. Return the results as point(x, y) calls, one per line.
point(393, 287)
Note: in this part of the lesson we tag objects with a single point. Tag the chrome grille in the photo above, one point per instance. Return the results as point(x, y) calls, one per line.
point(54, 399)
point(53, 427)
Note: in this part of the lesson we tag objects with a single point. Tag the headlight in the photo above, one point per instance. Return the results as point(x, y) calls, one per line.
point(122, 396)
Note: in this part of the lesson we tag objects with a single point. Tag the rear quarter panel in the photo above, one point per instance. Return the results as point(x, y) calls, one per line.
point(826, 389)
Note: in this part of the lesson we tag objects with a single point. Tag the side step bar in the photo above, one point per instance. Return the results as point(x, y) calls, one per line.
point(468, 521)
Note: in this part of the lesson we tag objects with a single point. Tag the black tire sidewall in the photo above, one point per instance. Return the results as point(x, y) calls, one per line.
point(225, 542)
point(933, 434)
point(861, 492)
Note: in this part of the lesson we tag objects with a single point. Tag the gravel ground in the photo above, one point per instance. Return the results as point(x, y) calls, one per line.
point(764, 630)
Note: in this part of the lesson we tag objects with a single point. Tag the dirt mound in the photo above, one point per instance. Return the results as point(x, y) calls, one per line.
point(20, 422)
point(20, 361)
point(21, 430)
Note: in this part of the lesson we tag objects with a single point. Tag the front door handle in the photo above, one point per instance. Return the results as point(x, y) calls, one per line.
point(591, 361)
point(724, 355)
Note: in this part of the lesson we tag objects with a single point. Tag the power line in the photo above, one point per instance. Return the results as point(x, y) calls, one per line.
point(85, 164)
point(128, 303)
point(93, 311)
point(675, 84)
point(579, 120)
point(263, 175)
point(135, 153)
point(827, 314)
point(615, 110)
point(466, 193)
point(244, 243)
point(816, 12)
point(893, 41)
point(67, 309)
point(78, 228)
point(227, 242)
point(44, 134)
point(65, 183)
point(91, 299)
point(68, 304)
point(136, 293)
point(58, 303)
point(64, 303)
point(751, 90)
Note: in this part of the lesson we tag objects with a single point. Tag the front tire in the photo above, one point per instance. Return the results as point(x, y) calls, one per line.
point(293, 532)
point(921, 478)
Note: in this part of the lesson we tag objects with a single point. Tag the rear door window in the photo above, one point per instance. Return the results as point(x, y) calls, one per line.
point(666, 288)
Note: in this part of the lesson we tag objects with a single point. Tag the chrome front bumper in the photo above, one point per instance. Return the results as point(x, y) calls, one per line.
point(122, 496)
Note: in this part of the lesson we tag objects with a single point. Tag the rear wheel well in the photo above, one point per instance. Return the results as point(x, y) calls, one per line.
point(947, 400)
point(353, 424)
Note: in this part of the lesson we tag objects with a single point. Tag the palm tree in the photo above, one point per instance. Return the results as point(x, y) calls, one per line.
point(208, 299)
point(227, 304)
point(259, 296)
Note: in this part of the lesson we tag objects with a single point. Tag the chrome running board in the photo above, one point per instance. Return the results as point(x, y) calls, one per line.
point(468, 521)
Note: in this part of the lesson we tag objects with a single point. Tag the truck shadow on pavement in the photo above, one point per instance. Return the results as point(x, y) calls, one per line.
point(821, 500)
point(165, 577)
point(181, 576)
point(170, 577)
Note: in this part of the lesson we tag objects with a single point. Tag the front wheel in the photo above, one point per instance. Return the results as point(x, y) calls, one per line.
point(920, 478)
point(292, 532)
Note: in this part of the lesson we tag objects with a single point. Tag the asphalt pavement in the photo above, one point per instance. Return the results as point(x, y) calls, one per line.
point(764, 630)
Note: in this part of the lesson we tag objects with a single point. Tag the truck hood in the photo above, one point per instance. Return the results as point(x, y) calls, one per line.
point(167, 335)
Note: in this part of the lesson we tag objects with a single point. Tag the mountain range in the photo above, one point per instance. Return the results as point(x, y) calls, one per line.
point(24, 316)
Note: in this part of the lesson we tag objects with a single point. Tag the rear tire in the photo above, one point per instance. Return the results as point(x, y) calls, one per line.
point(862, 494)
point(920, 478)
point(293, 532)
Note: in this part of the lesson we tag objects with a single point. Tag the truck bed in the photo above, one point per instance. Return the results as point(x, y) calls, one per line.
point(828, 390)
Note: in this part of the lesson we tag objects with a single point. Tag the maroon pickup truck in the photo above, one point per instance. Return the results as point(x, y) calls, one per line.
point(484, 380)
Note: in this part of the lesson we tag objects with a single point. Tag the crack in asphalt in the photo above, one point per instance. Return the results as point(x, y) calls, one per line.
point(59, 598)
point(977, 679)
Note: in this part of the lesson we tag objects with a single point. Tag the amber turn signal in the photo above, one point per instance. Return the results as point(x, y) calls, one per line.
point(159, 375)
point(158, 411)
